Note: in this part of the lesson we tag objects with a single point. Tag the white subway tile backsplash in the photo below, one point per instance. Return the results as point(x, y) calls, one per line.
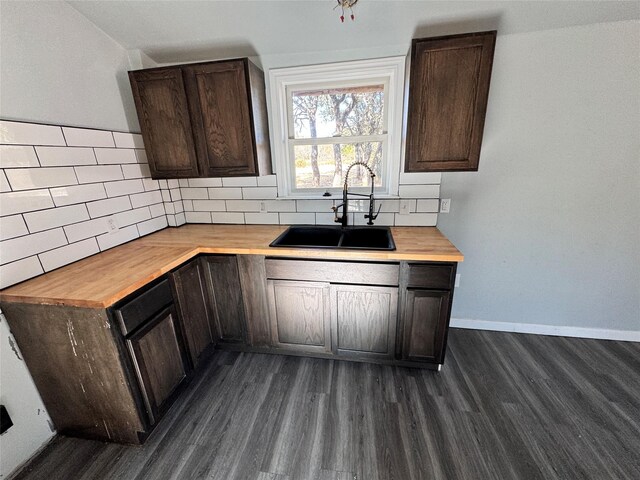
point(110, 240)
point(184, 183)
point(198, 217)
point(153, 225)
point(157, 210)
point(194, 193)
point(19, 202)
point(420, 178)
point(16, 156)
point(78, 194)
point(260, 192)
point(130, 217)
point(55, 217)
point(173, 183)
point(267, 181)
point(171, 220)
point(188, 205)
point(209, 205)
point(227, 217)
point(68, 254)
point(180, 219)
point(166, 195)
point(4, 183)
point(128, 140)
point(392, 205)
point(419, 191)
point(178, 207)
point(90, 228)
point(22, 247)
point(287, 218)
point(85, 137)
point(115, 156)
point(19, 271)
point(65, 156)
point(239, 182)
point(138, 170)
point(325, 219)
point(261, 218)
point(314, 205)
point(110, 206)
point(176, 194)
point(416, 220)
point(169, 208)
point(12, 226)
point(163, 183)
point(99, 173)
point(32, 178)
point(229, 193)
point(124, 187)
point(150, 184)
point(201, 182)
point(280, 205)
point(430, 205)
point(30, 134)
point(141, 156)
point(147, 198)
point(243, 205)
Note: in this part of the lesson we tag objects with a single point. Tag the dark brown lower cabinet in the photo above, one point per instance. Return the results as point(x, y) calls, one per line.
point(300, 315)
point(425, 324)
point(364, 320)
point(192, 301)
point(225, 297)
point(160, 361)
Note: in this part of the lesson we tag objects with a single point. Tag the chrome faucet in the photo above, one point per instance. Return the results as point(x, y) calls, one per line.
point(345, 198)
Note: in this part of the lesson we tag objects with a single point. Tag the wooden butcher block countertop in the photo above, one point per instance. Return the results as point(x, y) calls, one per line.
point(105, 278)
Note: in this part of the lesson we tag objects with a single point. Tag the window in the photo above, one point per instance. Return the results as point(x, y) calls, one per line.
point(328, 116)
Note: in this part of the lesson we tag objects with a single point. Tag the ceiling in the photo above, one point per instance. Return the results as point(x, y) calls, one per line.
point(179, 30)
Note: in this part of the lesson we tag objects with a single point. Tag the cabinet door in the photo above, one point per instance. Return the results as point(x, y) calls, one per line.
point(159, 360)
point(364, 320)
point(225, 294)
point(426, 321)
point(220, 108)
point(163, 113)
point(300, 315)
point(192, 297)
point(448, 90)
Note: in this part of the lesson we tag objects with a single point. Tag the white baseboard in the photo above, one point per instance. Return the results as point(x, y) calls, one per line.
point(538, 329)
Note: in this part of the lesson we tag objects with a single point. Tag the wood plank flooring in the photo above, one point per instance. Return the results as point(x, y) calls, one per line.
point(504, 406)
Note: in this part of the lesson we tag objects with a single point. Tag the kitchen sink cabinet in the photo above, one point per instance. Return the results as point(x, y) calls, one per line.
point(225, 297)
point(300, 315)
point(192, 297)
point(448, 92)
point(204, 119)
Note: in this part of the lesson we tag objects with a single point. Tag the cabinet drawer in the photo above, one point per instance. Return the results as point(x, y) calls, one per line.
point(431, 276)
point(132, 314)
point(333, 272)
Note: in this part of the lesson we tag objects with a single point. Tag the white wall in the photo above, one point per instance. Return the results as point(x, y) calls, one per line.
point(32, 426)
point(550, 225)
point(59, 68)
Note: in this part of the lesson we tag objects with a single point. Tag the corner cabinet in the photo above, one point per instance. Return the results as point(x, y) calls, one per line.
point(448, 92)
point(203, 120)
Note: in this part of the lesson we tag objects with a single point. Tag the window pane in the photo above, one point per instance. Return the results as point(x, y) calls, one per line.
point(315, 165)
point(338, 112)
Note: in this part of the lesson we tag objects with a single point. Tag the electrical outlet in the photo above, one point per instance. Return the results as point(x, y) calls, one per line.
point(445, 205)
point(457, 284)
point(112, 225)
point(405, 207)
point(263, 207)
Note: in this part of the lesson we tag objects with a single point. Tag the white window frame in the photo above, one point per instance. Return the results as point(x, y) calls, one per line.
point(389, 72)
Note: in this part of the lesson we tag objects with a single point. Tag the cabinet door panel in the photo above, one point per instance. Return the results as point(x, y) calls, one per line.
point(426, 322)
point(225, 293)
point(192, 297)
point(449, 86)
point(159, 360)
point(163, 112)
point(300, 317)
point(219, 104)
point(365, 319)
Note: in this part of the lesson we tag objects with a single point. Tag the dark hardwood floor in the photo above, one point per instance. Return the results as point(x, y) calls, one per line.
point(504, 406)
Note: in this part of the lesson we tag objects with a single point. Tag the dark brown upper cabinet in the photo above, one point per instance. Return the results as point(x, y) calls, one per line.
point(448, 90)
point(204, 119)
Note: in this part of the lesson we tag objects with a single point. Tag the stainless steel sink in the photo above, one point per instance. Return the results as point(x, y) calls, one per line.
point(312, 236)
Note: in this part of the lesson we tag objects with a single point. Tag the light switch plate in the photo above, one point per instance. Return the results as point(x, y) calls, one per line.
point(445, 205)
point(112, 225)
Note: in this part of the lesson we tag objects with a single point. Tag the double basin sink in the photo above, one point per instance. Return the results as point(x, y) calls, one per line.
point(311, 236)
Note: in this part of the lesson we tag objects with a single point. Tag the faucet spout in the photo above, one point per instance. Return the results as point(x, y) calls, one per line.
point(345, 198)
